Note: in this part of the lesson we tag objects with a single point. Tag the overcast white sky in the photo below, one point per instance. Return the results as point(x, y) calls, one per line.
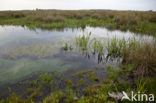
point(78, 4)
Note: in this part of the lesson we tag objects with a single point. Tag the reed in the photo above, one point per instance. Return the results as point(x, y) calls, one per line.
point(83, 41)
point(140, 54)
point(115, 47)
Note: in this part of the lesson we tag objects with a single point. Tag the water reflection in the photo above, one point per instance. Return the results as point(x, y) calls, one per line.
point(19, 34)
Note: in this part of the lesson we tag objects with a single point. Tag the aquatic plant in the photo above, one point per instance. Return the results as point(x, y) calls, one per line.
point(92, 76)
point(36, 51)
point(81, 82)
point(115, 47)
point(94, 92)
point(112, 73)
point(69, 83)
point(95, 45)
point(131, 52)
point(138, 53)
point(54, 97)
point(67, 47)
point(83, 41)
point(33, 83)
point(33, 93)
point(100, 52)
point(100, 48)
point(46, 79)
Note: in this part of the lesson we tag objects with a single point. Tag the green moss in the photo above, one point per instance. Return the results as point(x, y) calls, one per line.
point(95, 93)
point(69, 83)
point(33, 93)
point(92, 76)
point(80, 74)
point(46, 79)
point(112, 73)
point(33, 83)
point(55, 97)
point(150, 84)
point(81, 82)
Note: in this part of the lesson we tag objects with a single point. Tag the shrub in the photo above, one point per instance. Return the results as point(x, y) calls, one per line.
point(152, 19)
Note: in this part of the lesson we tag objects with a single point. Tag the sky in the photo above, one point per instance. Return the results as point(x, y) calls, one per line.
point(142, 5)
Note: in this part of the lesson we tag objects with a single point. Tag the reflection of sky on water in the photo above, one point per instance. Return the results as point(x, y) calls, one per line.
point(17, 34)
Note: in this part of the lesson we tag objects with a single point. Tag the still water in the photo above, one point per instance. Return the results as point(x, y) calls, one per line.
point(24, 52)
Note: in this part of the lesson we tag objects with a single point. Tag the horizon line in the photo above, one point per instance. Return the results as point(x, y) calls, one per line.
point(76, 9)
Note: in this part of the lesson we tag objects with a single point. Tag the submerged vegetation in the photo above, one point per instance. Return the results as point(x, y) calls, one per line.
point(140, 22)
point(36, 51)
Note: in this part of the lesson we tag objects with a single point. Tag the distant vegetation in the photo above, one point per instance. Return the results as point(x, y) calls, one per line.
point(140, 22)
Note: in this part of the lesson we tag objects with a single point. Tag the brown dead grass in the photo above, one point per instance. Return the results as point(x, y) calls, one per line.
point(121, 17)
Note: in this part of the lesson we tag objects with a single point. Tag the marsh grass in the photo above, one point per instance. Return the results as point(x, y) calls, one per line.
point(115, 47)
point(140, 85)
point(83, 41)
point(98, 47)
point(46, 79)
point(140, 54)
point(49, 19)
point(67, 46)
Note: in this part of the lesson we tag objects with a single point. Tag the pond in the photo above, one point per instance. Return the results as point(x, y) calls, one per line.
point(25, 52)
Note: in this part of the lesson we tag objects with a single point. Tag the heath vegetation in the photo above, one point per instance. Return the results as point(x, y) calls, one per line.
point(139, 22)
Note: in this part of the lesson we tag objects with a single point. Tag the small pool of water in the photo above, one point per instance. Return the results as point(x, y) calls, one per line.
point(45, 45)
